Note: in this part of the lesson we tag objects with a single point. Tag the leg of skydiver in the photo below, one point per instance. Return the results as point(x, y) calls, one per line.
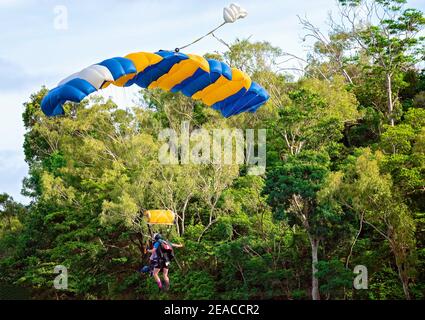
point(156, 277)
point(166, 279)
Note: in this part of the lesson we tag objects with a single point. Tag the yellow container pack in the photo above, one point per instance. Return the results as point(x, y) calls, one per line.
point(165, 217)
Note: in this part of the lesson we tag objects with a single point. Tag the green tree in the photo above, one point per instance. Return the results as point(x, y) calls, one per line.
point(387, 33)
point(315, 117)
point(292, 189)
point(373, 196)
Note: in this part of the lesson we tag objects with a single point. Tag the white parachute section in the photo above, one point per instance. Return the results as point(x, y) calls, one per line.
point(95, 74)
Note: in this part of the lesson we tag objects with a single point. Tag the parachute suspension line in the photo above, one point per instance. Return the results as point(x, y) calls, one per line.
point(199, 39)
point(230, 14)
point(150, 231)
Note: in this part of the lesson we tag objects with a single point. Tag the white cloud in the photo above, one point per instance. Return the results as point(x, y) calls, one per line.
point(11, 126)
point(13, 76)
point(12, 171)
point(14, 3)
point(8, 3)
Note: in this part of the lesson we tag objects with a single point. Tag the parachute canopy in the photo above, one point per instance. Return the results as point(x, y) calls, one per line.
point(226, 89)
point(160, 217)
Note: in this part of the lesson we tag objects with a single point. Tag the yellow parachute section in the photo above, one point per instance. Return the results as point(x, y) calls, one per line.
point(164, 217)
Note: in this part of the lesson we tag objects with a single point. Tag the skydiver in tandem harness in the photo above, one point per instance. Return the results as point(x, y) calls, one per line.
point(160, 259)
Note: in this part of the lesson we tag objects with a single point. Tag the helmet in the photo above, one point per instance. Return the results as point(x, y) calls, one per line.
point(157, 236)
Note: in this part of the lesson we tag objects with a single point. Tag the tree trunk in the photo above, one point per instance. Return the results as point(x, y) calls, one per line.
point(404, 278)
point(390, 98)
point(315, 295)
point(405, 282)
point(178, 225)
point(346, 75)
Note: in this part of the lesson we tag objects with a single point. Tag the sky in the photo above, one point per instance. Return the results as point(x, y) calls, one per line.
point(43, 41)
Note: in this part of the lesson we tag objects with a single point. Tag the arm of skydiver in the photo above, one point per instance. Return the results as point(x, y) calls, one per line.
point(155, 246)
point(152, 250)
